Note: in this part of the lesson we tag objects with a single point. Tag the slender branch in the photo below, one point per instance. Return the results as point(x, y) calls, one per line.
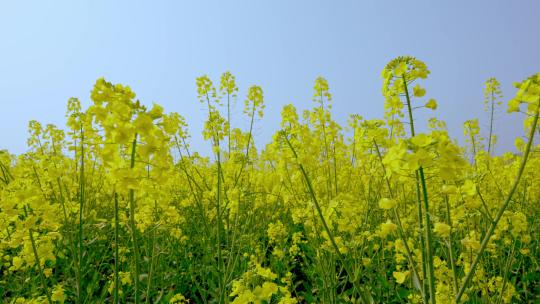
point(321, 216)
point(131, 196)
point(420, 179)
point(499, 215)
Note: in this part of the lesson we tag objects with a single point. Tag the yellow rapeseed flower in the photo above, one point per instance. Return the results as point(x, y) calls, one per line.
point(386, 203)
point(442, 229)
point(431, 104)
point(400, 276)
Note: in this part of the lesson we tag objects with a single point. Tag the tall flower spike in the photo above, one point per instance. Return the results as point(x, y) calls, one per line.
point(492, 96)
point(529, 94)
point(492, 93)
point(321, 90)
point(254, 101)
point(399, 72)
point(205, 88)
point(228, 83)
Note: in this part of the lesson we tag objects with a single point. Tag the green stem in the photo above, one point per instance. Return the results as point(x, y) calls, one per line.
point(116, 255)
point(315, 202)
point(427, 254)
point(6, 173)
point(245, 160)
point(321, 216)
point(398, 221)
point(429, 238)
point(216, 145)
point(43, 283)
point(133, 226)
point(422, 240)
point(450, 247)
point(81, 209)
point(494, 223)
point(152, 263)
point(219, 222)
point(326, 152)
point(36, 257)
point(229, 120)
point(473, 143)
point(491, 122)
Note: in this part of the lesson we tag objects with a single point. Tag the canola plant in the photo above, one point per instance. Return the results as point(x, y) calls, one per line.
point(119, 208)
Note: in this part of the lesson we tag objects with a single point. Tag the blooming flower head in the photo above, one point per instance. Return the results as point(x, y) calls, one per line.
point(442, 229)
point(387, 228)
point(400, 276)
point(386, 203)
point(431, 104)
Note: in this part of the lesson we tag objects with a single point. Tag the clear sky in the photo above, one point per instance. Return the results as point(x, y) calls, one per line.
point(53, 50)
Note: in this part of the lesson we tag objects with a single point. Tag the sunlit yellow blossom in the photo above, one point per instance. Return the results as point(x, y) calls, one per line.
point(468, 188)
point(125, 278)
point(17, 263)
point(58, 294)
point(400, 276)
point(418, 91)
point(400, 69)
point(431, 104)
point(386, 203)
point(449, 189)
point(292, 220)
point(264, 292)
point(178, 299)
point(265, 272)
point(442, 229)
point(387, 228)
point(470, 243)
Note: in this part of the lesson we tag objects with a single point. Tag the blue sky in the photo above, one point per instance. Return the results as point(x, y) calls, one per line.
point(54, 50)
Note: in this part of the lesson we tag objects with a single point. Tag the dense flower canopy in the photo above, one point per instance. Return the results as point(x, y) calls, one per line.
point(120, 208)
